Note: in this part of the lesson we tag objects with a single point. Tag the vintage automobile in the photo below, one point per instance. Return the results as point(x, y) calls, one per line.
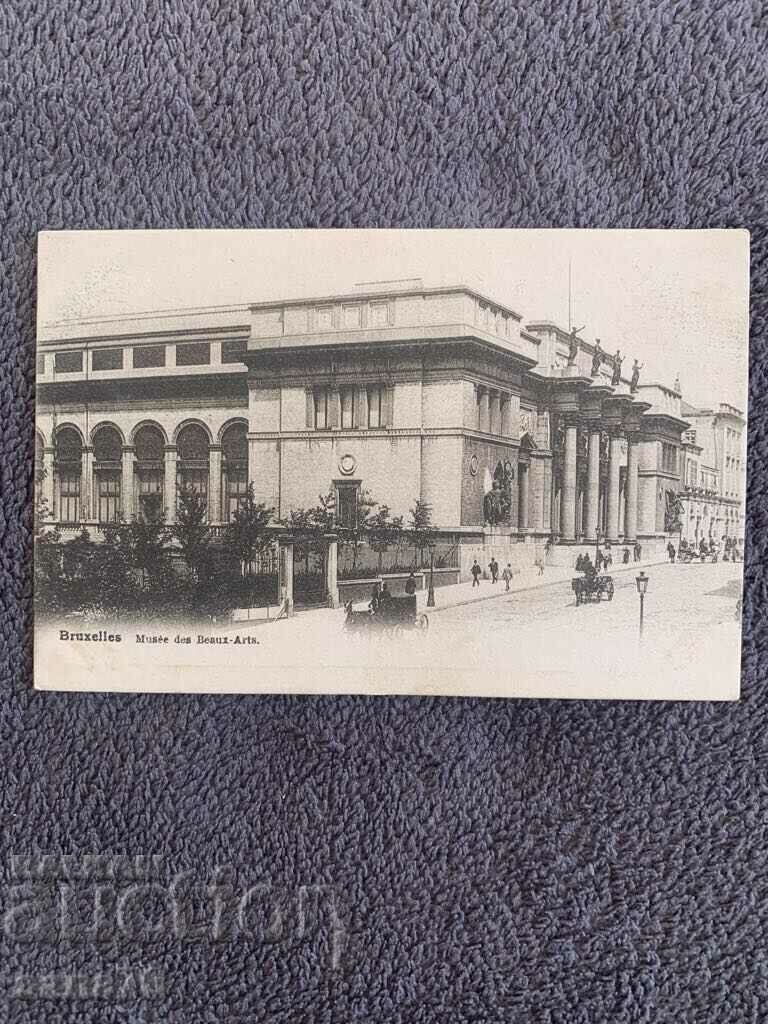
point(592, 587)
point(391, 616)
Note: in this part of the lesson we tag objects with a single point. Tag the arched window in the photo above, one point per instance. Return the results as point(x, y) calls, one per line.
point(107, 469)
point(68, 455)
point(150, 470)
point(234, 447)
point(192, 463)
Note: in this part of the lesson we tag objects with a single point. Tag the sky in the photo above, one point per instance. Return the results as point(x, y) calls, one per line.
point(675, 300)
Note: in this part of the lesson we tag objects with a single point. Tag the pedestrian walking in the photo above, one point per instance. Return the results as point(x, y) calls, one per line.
point(671, 552)
point(625, 556)
point(493, 566)
point(539, 563)
point(476, 573)
point(410, 584)
point(507, 575)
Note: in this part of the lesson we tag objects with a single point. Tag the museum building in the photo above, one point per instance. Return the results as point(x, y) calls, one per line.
point(396, 390)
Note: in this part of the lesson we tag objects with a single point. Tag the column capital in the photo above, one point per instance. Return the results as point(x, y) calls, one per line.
point(593, 421)
point(592, 400)
point(170, 448)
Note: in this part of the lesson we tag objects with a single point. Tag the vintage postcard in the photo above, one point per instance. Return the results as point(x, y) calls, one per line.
point(460, 462)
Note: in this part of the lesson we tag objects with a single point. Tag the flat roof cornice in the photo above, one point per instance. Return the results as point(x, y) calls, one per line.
point(393, 293)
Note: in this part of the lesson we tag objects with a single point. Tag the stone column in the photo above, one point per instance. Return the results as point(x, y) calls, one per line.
point(47, 483)
point(214, 484)
point(285, 581)
point(506, 424)
point(568, 501)
point(332, 569)
point(127, 495)
point(522, 523)
point(547, 497)
point(86, 485)
point(614, 469)
point(169, 484)
point(536, 482)
point(632, 496)
point(592, 517)
point(485, 410)
point(495, 417)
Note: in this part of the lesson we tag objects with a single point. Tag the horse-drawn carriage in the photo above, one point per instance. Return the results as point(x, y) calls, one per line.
point(694, 554)
point(592, 587)
point(390, 615)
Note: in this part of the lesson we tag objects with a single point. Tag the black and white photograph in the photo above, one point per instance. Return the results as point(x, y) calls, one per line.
point(505, 463)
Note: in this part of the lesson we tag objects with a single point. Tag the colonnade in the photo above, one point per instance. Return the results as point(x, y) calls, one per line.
point(592, 495)
point(494, 411)
point(72, 492)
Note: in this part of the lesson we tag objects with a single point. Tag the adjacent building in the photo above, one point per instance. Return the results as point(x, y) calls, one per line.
point(399, 391)
point(713, 474)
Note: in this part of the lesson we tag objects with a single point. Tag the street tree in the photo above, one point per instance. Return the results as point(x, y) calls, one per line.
point(421, 529)
point(247, 534)
point(113, 578)
point(353, 534)
point(309, 525)
point(383, 531)
point(149, 537)
point(191, 530)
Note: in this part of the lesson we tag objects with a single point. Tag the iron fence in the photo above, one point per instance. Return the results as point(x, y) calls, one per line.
point(359, 561)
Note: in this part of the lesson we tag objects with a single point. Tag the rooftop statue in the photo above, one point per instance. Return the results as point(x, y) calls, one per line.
point(573, 344)
point(636, 368)
point(617, 361)
point(597, 358)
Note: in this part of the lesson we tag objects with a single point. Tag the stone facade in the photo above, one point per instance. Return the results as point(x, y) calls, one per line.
point(712, 474)
point(440, 395)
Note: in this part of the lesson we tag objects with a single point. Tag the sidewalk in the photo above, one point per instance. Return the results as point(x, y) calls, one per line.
point(527, 579)
point(458, 594)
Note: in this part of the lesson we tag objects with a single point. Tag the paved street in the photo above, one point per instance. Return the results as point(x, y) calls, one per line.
point(532, 642)
point(516, 644)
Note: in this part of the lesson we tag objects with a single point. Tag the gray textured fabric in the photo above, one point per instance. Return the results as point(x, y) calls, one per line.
point(485, 861)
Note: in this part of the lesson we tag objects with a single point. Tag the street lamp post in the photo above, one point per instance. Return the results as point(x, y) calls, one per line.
point(431, 592)
point(642, 586)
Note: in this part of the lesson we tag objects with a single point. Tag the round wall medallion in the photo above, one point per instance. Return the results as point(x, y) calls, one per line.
point(473, 465)
point(347, 464)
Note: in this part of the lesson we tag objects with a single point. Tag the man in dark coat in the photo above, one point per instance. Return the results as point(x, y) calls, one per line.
point(476, 573)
